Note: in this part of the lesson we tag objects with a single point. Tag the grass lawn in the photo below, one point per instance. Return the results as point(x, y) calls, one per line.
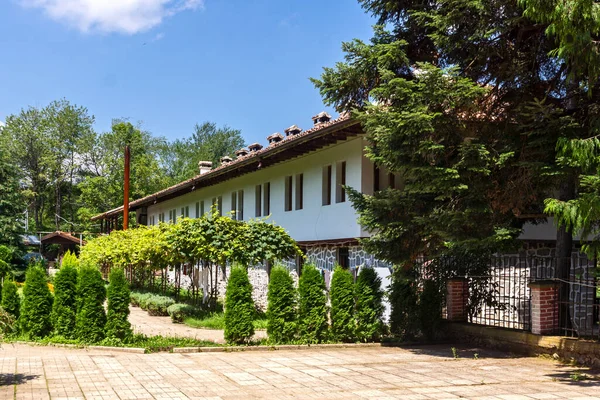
point(217, 321)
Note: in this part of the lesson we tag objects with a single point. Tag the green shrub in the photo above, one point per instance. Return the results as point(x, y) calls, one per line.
point(239, 307)
point(117, 323)
point(342, 305)
point(144, 299)
point(37, 304)
point(430, 309)
point(91, 318)
point(369, 305)
point(64, 308)
point(178, 312)
point(281, 306)
point(404, 318)
point(157, 305)
point(312, 309)
point(8, 323)
point(11, 302)
point(69, 260)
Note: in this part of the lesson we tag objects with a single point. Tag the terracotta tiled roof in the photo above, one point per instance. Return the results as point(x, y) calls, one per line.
point(342, 121)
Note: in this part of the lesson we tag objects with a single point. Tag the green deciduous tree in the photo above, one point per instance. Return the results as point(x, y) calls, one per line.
point(11, 302)
point(369, 305)
point(91, 318)
point(12, 203)
point(36, 309)
point(342, 293)
point(64, 307)
point(281, 308)
point(312, 306)
point(117, 322)
point(239, 307)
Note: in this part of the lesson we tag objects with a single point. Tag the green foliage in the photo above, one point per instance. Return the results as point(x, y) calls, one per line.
point(281, 307)
point(179, 312)
point(5, 258)
point(64, 307)
point(12, 203)
point(430, 310)
point(341, 294)
point(239, 307)
point(8, 323)
point(91, 318)
point(312, 306)
point(36, 308)
point(369, 305)
point(118, 295)
point(70, 260)
point(158, 305)
point(11, 302)
point(404, 321)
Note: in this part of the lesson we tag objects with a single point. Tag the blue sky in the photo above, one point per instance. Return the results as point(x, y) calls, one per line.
point(171, 63)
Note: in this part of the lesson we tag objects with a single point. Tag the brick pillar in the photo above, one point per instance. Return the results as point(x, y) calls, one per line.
point(456, 299)
point(544, 307)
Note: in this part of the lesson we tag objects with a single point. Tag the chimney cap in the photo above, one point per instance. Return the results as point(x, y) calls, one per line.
point(321, 118)
point(293, 130)
point(206, 164)
point(226, 159)
point(255, 147)
point(241, 152)
point(274, 138)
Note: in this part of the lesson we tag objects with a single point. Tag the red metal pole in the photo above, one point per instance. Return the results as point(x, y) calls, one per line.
point(126, 194)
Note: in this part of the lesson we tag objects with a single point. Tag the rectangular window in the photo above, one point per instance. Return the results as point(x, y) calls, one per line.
point(392, 181)
point(220, 205)
point(161, 217)
point(299, 191)
point(197, 209)
point(258, 201)
point(240, 208)
point(182, 212)
point(343, 256)
point(187, 211)
point(340, 179)
point(174, 214)
point(376, 184)
point(201, 208)
point(327, 185)
point(267, 199)
point(234, 205)
point(288, 193)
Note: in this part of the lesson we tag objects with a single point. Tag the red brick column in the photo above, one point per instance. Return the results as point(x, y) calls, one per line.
point(544, 307)
point(456, 299)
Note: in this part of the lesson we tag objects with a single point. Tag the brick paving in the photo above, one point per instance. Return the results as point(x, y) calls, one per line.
point(152, 326)
point(28, 372)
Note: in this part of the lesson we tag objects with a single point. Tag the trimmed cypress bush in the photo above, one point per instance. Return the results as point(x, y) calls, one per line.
point(430, 309)
point(404, 318)
point(369, 305)
point(11, 302)
point(239, 307)
point(179, 311)
point(281, 306)
point(312, 309)
point(64, 308)
point(69, 260)
point(342, 305)
point(37, 304)
point(117, 323)
point(91, 318)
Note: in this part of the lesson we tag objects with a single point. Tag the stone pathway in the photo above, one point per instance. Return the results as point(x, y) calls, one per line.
point(152, 326)
point(28, 372)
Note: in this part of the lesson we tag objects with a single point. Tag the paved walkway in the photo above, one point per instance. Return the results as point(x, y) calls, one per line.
point(151, 326)
point(367, 373)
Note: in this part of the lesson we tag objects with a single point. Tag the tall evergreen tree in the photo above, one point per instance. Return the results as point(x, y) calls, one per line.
point(11, 302)
point(312, 307)
point(117, 323)
point(341, 295)
point(35, 319)
point(239, 307)
point(281, 308)
point(369, 305)
point(64, 307)
point(91, 317)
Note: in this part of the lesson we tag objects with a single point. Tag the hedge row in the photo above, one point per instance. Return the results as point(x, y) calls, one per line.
point(154, 304)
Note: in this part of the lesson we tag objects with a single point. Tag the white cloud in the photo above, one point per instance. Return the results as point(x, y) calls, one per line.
point(122, 16)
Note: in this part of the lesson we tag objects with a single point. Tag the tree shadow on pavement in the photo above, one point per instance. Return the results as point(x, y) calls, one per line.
point(16, 379)
point(457, 351)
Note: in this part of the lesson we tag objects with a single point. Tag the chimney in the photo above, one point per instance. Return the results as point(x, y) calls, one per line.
point(292, 130)
point(255, 147)
point(275, 138)
point(321, 118)
point(241, 153)
point(226, 160)
point(204, 167)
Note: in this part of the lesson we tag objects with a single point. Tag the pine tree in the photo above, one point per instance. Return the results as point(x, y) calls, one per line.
point(117, 323)
point(281, 308)
point(91, 318)
point(239, 307)
point(64, 308)
point(11, 302)
point(341, 293)
point(312, 307)
point(404, 321)
point(369, 305)
point(35, 319)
